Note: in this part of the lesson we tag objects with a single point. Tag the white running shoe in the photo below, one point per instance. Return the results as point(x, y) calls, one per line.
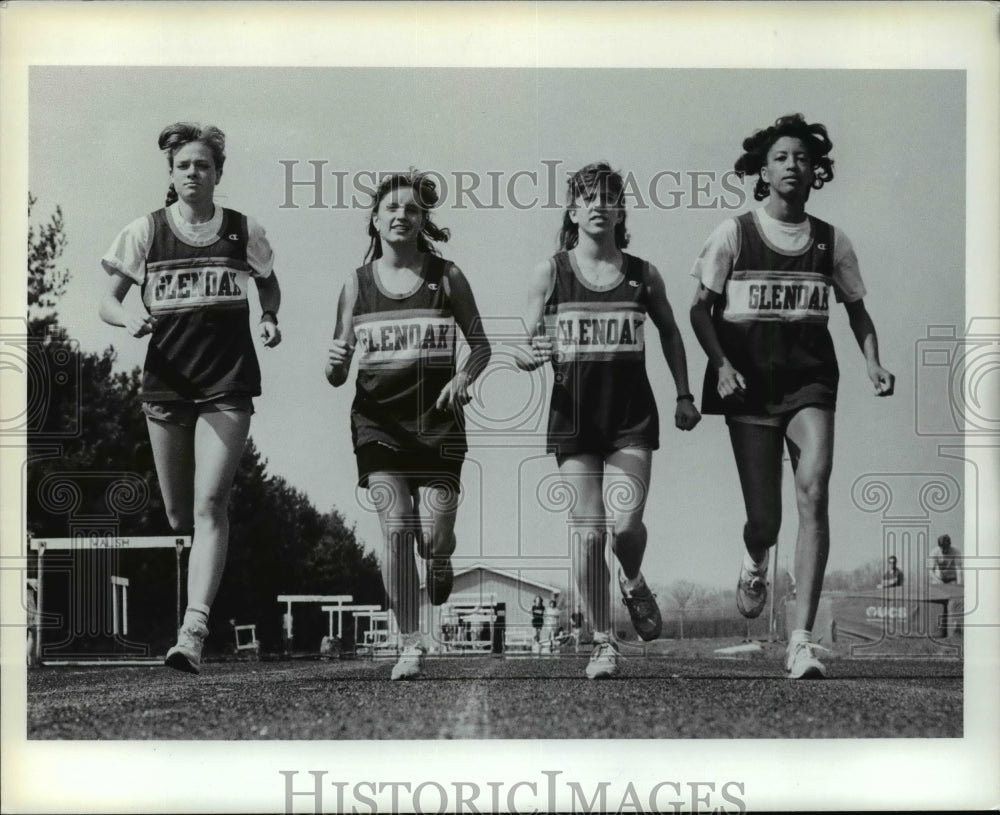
point(186, 654)
point(410, 664)
point(604, 660)
point(751, 588)
point(801, 661)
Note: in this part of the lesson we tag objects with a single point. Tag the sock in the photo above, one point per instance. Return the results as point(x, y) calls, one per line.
point(196, 617)
point(800, 635)
point(411, 640)
point(601, 637)
point(754, 565)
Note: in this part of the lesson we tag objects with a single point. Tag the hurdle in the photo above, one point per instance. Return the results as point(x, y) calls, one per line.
point(289, 600)
point(104, 541)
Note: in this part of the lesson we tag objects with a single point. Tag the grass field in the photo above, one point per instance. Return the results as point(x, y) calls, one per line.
point(676, 689)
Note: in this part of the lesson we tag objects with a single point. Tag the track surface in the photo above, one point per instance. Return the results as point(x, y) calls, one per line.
point(484, 697)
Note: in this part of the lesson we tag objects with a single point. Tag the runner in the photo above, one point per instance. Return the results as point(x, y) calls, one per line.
point(193, 260)
point(760, 313)
point(603, 421)
point(401, 309)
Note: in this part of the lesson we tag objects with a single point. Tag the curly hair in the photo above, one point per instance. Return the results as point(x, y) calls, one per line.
point(426, 196)
point(580, 184)
point(174, 137)
point(813, 136)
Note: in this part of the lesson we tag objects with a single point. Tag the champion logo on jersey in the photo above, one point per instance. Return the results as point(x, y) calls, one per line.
point(634, 284)
point(233, 236)
point(821, 246)
point(432, 286)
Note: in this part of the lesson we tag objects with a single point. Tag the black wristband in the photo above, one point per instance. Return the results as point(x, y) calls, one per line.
point(274, 316)
point(689, 397)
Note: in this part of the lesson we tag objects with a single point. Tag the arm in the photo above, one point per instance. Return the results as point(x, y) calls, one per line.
point(686, 415)
point(864, 333)
point(270, 301)
point(540, 346)
point(113, 312)
point(338, 362)
point(456, 392)
point(731, 381)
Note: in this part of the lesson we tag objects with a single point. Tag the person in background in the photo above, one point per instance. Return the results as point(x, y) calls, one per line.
point(946, 562)
point(893, 577)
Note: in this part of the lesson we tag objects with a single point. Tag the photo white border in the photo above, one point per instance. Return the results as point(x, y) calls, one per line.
point(244, 776)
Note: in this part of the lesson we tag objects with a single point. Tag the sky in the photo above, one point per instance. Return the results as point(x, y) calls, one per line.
point(909, 94)
point(510, 136)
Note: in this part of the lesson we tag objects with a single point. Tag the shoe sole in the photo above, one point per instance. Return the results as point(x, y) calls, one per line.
point(602, 675)
point(809, 673)
point(179, 662)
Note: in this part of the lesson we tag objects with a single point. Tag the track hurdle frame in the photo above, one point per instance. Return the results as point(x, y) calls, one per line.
point(82, 543)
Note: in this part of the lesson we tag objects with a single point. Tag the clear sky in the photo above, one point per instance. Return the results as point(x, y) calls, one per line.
point(899, 193)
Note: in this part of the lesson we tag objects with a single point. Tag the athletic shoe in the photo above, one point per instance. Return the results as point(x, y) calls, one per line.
point(642, 608)
point(604, 660)
point(410, 664)
point(186, 654)
point(751, 588)
point(440, 577)
point(801, 662)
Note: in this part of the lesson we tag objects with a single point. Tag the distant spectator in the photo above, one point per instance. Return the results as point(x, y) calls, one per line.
point(538, 616)
point(550, 619)
point(893, 578)
point(576, 627)
point(946, 562)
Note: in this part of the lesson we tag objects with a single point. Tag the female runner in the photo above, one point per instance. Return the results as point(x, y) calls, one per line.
point(193, 260)
point(761, 313)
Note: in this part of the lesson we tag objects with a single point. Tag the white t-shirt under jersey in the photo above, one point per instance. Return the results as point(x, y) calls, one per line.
point(127, 254)
point(716, 260)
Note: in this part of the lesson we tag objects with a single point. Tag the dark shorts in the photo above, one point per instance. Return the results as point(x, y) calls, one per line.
point(427, 467)
point(186, 413)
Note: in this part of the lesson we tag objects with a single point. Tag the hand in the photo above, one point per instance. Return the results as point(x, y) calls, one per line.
point(340, 354)
point(884, 382)
point(541, 349)
point(140, 326)
point(686, 415)
point(269, 333)
point(731, 381)
point(455, 394)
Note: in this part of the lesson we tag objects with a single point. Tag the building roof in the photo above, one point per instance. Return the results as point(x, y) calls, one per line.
point(510, 575)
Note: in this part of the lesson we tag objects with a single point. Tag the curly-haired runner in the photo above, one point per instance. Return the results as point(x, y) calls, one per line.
point(193, 261)
point(603, 421)
point(401, 309)
point(761, 313)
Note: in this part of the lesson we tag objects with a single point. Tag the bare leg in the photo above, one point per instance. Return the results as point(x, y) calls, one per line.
point(758, 450)
point(173, 454)
point(400, 530)
point(583, 475)
point(626, 486)
point(219, 440)
point(810, 444)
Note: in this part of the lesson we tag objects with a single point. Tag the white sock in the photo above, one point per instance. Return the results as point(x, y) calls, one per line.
point(411, 640)
point(800, 635)
point(753, 565)
point(196, 617)
point(634, 583)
